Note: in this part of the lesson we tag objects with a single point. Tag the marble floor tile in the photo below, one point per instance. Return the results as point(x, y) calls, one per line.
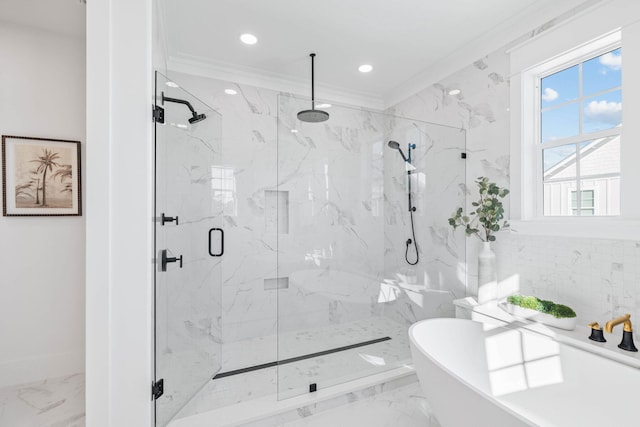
point(404, 406)
point(57, 402)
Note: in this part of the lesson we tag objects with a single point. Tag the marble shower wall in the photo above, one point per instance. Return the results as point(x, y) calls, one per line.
point(332, 252)
point(248, 167)
point(427, 289)
point(339, 213)
point(481, 110)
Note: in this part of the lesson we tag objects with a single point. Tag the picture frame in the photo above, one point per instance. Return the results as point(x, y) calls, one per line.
point(41, 177)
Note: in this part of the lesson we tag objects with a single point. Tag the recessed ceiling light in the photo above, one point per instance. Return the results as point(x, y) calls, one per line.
point(454, 92)
point(172, 84)
point(325, 105)
point(248, 38)
point(365, 68)
point(230, 91)
point(294, 130)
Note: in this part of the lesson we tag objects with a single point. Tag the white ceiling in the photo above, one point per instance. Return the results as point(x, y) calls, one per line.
point(402, 39)
point(61, 16)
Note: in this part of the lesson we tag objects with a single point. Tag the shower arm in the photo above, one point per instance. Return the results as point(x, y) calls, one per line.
point(313, 93)
point(179, 101)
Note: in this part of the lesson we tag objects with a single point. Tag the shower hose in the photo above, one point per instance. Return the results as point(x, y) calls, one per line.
point(410, 241)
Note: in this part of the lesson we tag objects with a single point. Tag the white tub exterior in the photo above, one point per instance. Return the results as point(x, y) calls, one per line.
point(481, 375)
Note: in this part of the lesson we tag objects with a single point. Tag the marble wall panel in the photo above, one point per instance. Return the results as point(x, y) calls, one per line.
point(333, 174)
point(428, 288)
point(595, 276)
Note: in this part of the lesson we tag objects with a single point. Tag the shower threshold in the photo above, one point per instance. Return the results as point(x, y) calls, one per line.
point(269, 410)
point(259, 392)
point(299, 358)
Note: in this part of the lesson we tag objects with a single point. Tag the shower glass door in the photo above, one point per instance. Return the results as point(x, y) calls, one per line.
point(188, 247)
point(348, 294)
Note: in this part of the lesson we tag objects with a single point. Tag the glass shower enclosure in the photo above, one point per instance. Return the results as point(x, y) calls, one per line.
point(189, 245)
point(347, 294)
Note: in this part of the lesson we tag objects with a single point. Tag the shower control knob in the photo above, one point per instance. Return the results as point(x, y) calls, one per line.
point(164, 218)
point(164, 260)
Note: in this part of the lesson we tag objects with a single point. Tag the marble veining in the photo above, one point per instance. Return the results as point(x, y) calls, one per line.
point(346, 213)
point(598, 277)
point(190, 184)
point(56, 402)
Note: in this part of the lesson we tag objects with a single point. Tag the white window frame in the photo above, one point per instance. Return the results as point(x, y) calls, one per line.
point(583, 189)
point(593, 23)
point(580, 55)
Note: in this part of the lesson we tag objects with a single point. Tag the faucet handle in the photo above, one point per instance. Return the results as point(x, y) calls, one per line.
point(596, 332)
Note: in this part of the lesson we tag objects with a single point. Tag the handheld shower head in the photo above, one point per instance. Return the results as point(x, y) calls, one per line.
point(396, 146)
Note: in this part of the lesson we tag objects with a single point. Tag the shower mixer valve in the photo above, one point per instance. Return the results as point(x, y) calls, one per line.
point(164, 260)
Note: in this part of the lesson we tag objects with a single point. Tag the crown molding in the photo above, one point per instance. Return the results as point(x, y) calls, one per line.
point(527, 24)
point(269, 80)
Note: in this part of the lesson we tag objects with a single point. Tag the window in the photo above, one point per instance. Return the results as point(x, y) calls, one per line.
point(579, 126)
point(586, 203)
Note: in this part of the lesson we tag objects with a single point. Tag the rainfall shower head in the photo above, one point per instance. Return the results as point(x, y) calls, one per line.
point(313, 115)
point(195, 117)
point(394, 145)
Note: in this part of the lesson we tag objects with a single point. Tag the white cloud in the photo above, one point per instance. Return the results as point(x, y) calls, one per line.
point(611, 61)
point(605, 112)
point(549, 94)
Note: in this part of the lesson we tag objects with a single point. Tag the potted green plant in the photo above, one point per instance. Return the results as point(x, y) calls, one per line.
point(539, 310)
point(484, 222)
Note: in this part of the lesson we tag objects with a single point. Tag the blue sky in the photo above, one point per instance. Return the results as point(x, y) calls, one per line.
point(600, 112)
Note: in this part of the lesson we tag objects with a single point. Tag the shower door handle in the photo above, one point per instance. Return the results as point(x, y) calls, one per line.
point(221, 241)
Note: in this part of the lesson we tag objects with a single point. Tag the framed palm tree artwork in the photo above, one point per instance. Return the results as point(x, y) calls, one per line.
point(40, 177)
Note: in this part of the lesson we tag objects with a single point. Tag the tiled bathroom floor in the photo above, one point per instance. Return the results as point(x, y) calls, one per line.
point(57, 402)
point(294, 378)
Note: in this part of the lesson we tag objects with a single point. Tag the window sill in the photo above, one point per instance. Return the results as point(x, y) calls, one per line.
point(615, 228)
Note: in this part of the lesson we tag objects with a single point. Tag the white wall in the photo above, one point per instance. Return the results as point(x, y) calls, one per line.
point(42, 259)
point(119, 213)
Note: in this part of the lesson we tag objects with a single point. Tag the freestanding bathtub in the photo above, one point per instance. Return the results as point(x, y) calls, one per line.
point(479, 375)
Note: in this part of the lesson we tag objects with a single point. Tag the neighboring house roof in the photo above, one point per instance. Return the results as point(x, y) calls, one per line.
point(607, 160)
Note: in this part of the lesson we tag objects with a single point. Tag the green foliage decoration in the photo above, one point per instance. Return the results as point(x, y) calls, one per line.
point(488, 215)
point(558, 311)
